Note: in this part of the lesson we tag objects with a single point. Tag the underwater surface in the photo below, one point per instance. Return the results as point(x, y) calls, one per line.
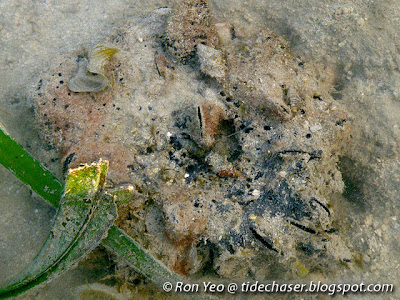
point(265, 179)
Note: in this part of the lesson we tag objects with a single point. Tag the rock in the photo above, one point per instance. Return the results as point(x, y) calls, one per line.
point(211, 60)
point(188, 27)
point(244, 158)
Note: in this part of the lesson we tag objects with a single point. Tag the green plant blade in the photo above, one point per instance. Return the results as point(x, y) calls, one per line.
point(82, 220)
point(29, 170)
point(143, 262)
point(50, 188)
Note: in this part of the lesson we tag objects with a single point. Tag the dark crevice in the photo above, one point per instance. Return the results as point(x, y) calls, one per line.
point(353, 178)
point(302, 227)
point(323, 206)
point(263, 241)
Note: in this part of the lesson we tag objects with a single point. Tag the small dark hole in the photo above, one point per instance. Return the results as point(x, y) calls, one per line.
point(317, 97)
point(266, 127)
point(149, 150)
point(340, 122)
point(308, 135)
point(40, 84)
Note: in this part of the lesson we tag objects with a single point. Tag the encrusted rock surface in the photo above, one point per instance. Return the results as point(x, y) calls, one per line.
point(231, 156)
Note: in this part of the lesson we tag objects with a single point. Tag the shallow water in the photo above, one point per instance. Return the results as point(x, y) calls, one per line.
point(358, 40)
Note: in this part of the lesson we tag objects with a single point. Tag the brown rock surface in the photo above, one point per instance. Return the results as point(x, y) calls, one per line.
point(241, 168)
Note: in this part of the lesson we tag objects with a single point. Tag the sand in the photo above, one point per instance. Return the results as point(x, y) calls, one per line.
point(357, 40)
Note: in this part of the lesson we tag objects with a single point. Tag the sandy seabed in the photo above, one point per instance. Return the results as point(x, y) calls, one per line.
point(359, 41)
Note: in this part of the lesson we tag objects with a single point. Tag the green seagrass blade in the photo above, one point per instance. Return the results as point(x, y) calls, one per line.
point(83, 218)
